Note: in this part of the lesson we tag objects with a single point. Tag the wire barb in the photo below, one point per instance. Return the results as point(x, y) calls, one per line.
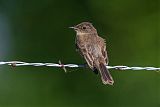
point(64, 66)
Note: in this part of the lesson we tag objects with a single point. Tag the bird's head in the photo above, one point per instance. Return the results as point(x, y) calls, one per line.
point(84, 27)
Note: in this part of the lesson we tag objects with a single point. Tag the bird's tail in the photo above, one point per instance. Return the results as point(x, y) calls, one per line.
point(105, 74)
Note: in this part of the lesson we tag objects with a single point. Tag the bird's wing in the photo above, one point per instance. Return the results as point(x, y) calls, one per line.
point(104, 53)
point(103, 49)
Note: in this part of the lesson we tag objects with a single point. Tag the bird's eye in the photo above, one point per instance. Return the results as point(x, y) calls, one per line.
point(83, 27)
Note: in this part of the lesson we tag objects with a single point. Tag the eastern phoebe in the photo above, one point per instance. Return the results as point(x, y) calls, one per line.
point(93, 49)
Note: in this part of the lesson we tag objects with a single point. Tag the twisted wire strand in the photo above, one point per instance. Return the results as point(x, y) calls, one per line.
point(20, 63)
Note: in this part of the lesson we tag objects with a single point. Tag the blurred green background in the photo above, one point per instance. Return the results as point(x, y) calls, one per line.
point(37, 31)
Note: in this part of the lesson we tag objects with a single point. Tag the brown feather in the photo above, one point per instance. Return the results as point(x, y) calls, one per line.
point(93, 49)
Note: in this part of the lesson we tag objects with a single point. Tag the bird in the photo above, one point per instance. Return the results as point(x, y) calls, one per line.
point(93, 49)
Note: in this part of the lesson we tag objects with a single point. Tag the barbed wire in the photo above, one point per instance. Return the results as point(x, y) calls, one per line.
point(20, 63)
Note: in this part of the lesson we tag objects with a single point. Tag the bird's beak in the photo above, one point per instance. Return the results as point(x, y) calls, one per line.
point(73, 28)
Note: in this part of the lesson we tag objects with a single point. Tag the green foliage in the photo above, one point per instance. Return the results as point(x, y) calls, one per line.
point(39, 33)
